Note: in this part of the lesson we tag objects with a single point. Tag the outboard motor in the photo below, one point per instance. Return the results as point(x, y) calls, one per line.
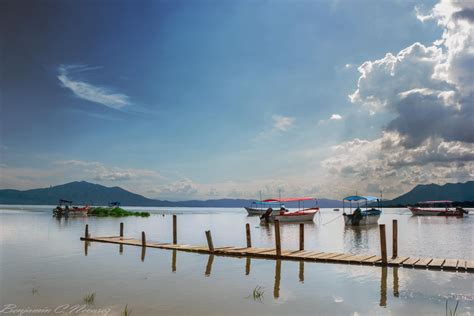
point(357, 216)
point(267, 214)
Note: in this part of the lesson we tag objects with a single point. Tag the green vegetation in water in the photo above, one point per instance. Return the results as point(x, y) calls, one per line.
point(114, 212)
point(257, 294)
point(126, 311)
point(34, 291)
point(452, 312)
point(89, 298)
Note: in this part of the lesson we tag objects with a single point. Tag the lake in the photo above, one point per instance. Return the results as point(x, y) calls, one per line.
point(44, 265)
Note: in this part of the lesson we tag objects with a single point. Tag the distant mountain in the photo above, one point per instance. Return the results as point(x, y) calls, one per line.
point(95, 194)
point(429, 192)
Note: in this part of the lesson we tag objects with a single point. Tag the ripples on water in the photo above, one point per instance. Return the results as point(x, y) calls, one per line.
point(43, 263)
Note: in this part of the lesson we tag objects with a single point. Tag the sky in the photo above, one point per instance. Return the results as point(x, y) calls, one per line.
point(210, 99)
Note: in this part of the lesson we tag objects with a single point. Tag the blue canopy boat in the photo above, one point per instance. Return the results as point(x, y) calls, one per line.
point(358, 216)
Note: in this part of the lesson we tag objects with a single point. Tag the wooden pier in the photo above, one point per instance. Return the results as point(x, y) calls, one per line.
point(440, 264)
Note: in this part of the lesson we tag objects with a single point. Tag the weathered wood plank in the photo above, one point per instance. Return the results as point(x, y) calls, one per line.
point(397, 261)
point(436, 263)
point(450, 264)
point(410, 262)
point(469, 265)
point(422, 263)
point(372, 260)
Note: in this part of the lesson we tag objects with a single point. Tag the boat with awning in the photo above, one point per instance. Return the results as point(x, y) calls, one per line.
point(360, 216)
point(285, 215)
point(437, 208)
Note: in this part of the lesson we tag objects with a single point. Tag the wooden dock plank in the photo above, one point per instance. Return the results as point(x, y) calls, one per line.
point(422, 263)
point(410, 262)
point(397, 261)
point(360, 259)
point(437, 263)
point(450, 264)
point(372, 260)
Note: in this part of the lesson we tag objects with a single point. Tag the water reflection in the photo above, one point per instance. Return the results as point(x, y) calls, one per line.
point(383, 287)
point(301, 274)
point(247, 265)
point(86, 247)
point(210, 260)
point(173, 261)
point(143, 254)
point(120, 249)
point(395, 282)
point(276, 287)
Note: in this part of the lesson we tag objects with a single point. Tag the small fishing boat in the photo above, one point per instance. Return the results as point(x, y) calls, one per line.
point(359, 216)
point(66, 209)
point(335, 209)
point(437, 208)
point(284, 215)
point(260, 207)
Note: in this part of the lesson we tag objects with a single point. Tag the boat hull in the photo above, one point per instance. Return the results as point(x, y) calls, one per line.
point(417, 211)
point(301, 216)
point(367, 218)
point(255, 211)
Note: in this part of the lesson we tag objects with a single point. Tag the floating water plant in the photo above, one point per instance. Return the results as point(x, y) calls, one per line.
point(126, 311)
point(114, 212)
point(452, 312)
point(257, 294)
point(89, 298)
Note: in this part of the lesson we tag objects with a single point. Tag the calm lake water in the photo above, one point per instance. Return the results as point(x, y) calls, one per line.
point(43, 264)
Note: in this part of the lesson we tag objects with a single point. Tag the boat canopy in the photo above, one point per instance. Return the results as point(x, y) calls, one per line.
point(267, 203)
point(359, 197)
point(290, 199)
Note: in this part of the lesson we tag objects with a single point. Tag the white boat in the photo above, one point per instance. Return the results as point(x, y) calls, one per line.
point(284, 215)
point(358, 216)
point(260, 207)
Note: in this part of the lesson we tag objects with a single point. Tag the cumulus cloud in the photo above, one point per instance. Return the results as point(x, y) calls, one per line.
point(88, 91)
point(184, 188)
point(282, 123)
point(335, 117)
point(429, 89)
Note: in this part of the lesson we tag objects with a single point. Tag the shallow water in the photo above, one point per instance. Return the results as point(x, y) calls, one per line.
point(43, 264)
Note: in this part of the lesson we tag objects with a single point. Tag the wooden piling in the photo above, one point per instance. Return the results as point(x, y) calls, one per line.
point(209, 241)
point(175, 232)
point(394, 238)
point(277, 238)
point(383, 244)
point(121, 230)
point(86, 233)
point(143, 239)
point(301, 236)
point(247, 231)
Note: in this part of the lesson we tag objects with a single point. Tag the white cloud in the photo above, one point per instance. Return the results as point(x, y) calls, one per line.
point(429, 89)
point(89, 92)
point(335, 117)
point(100, 172)
point(282, 123)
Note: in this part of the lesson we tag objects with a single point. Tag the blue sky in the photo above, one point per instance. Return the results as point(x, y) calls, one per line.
point(207, 99)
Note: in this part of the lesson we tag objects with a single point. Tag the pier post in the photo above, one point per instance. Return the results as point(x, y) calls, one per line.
point(86, 233)
point(383, 244)
point(301, 236)
point(175, 232)
point(143, 239)
point(277, 238)
point(209, 241)
point(121, 230)
point(394, 238)
point(247, 231)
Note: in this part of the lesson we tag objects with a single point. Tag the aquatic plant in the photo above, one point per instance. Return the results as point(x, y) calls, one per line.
point(257, 294)
point(452, 312)
point(34, 291)
point(89, 298)
point(126, 311)
point(114, 212)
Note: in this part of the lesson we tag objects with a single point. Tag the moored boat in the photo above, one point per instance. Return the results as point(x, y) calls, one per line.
point(284, 215)
point(437, 208)
point(358, 216)
point(66, 209)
